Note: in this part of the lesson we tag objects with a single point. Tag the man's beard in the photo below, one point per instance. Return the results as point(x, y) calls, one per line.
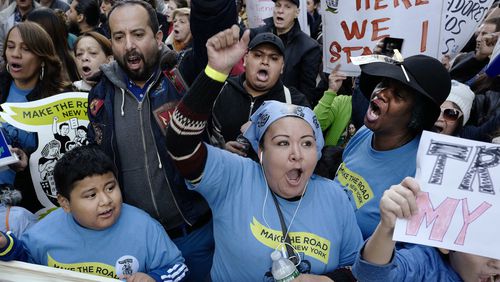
point(141, 74)
point(74, 28)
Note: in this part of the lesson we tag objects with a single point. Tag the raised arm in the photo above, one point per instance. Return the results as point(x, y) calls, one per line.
point(208, 17)
point(184, 134)
point(323, 109)
point(397, 202)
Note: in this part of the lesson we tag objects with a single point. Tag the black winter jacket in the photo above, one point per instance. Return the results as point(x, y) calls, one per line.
point(484, 107)
point(485, 117)
point(302, 58)
point(466, 67)
point(234, 105)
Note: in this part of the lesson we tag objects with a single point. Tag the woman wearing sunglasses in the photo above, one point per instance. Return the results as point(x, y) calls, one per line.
point(455, 111)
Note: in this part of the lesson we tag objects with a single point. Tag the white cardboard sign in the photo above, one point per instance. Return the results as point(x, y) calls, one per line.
point(353, 28)
point(459, 205)
point(460, 22)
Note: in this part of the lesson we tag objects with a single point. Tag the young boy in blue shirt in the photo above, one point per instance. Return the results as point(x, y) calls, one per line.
point(379, 261)
point(94, 232)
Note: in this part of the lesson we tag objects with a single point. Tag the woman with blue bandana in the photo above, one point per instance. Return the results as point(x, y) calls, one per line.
point(278, 204)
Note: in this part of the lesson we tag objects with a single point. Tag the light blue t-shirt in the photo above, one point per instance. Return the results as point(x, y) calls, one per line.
point(415, 263)
point(17, 95)
point(15, 136)
point(366, 173)
point(135, 243)
point(20, 219)
point(247, 227)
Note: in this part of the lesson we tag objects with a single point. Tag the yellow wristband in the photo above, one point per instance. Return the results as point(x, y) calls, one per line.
point(9, 248)
point(215, 75)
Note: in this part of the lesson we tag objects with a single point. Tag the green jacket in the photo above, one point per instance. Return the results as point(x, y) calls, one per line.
point(333, 113)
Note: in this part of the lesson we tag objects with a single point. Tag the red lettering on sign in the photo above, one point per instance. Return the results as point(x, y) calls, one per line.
point(354, 32)
point(377, 29)
point(405, 2)
point(421, 2)
point(469, 218)
point(378, 6)
point(441, 217)
point(335, 51)
point(358, 4)
point(423, 41)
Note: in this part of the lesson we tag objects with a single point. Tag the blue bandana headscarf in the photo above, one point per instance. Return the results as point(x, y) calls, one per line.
point(270, 111)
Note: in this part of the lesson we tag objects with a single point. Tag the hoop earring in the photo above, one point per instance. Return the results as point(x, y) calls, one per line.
point(43, 71)
point(7, 67)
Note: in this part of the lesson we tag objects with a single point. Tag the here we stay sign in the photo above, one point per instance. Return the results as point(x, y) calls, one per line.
point(434, 28)
point(459, 205)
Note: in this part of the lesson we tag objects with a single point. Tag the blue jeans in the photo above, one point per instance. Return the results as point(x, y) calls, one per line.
point(197, 248)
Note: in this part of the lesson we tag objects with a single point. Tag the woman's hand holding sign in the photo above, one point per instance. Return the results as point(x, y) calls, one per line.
point(397, 202)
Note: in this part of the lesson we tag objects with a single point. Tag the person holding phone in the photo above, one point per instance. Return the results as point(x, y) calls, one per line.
point(389, 44)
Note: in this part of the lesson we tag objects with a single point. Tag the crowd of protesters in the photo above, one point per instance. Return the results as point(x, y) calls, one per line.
point(210, 144)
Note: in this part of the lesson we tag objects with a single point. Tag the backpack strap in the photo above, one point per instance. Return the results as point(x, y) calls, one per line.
point(288, 97)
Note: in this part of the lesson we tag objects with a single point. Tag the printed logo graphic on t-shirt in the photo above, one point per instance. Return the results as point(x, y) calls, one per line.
point(126, 265)
point(304, 242)
point(96, 268)
point(359, 190)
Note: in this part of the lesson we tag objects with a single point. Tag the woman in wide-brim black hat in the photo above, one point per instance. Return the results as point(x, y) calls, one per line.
point(404, 99)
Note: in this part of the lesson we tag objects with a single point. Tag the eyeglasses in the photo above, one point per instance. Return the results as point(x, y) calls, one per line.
point(451, 114)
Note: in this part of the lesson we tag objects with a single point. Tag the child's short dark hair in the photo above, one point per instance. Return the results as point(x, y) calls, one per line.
point(79, 163)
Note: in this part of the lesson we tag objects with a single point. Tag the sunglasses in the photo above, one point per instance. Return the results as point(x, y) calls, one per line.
point(451, 114)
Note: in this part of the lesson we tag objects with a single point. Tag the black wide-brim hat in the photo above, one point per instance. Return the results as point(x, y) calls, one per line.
point(424, 74)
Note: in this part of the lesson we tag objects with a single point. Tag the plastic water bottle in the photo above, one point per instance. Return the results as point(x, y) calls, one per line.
point(283, 269)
